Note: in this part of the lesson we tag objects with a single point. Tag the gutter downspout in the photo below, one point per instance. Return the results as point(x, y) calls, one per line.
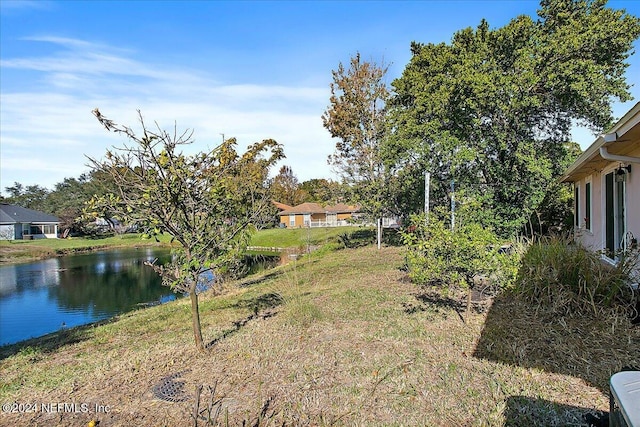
point(616, 158)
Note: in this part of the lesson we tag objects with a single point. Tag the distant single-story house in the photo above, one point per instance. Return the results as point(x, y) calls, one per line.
point(17, 222)
point(606, 184)
point(315, 215)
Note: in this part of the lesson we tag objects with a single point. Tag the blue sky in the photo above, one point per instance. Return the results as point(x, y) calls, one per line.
point(252, 70)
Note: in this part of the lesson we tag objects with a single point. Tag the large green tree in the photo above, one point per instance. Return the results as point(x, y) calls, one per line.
point(207, 202)
point(357, 116)
point(493, 109)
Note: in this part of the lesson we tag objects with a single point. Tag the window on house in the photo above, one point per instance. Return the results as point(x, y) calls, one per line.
point(43, 229)
point(615, 223)
point(576, 199)
point(292, 220)
point(587, 206)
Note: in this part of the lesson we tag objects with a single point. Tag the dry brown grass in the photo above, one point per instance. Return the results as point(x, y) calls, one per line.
point(338, 340)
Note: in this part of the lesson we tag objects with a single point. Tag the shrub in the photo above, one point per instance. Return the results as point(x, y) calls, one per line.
point(457, 258)
point(571, 279)
point(357, 238)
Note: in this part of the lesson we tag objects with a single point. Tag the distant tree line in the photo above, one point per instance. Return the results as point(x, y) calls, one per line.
point(68, 199)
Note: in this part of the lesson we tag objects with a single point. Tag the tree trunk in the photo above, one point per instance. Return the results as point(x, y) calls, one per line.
point(468, 313)
point(195, 319)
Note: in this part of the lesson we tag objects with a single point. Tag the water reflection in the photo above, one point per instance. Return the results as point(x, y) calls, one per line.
point(41, 297)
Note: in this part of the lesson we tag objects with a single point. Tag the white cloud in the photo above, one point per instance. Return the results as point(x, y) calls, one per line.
point(18, 5)
point(46, 132)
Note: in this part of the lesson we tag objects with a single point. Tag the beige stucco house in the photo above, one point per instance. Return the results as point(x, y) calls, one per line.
point(606, 182)
point(316, 215)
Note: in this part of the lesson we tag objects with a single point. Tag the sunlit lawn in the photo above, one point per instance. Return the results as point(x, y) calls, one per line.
point(295, 237)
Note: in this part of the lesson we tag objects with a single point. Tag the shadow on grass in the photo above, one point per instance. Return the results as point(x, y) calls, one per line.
point(527, 411)
point(368, 236)
point(53, 341)
point(261, 308)
point(433, 297)
point(589, 348)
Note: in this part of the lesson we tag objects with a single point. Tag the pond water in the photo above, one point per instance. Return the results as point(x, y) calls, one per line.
point(44, 296)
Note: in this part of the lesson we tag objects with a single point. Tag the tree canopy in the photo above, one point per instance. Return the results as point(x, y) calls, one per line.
point(493, 109)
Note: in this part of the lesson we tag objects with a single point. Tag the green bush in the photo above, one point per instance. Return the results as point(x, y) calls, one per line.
point(457, 258)
point(357, 238)
point(571, 279)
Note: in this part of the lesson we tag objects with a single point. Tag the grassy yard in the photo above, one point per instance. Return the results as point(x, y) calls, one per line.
point(337, 339)
point(296, 237)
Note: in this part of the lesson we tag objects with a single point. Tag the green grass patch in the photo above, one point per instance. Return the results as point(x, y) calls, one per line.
point(298, 237)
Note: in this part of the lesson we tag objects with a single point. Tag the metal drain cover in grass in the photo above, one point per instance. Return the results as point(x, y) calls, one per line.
point(170, 390)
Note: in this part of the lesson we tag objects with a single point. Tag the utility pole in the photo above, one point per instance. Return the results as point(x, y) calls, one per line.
point(222, 137)
point(427, 183)
point(453, 207)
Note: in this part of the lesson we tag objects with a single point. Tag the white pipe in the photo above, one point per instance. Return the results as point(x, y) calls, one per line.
point(616, 158)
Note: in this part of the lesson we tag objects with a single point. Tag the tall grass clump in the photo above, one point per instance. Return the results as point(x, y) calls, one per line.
point(570, 279)
point(293, 292)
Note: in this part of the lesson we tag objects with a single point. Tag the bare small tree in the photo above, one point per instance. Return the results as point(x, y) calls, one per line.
point(206, 202)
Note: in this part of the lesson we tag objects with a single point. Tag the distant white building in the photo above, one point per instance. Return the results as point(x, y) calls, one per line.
point(17, 223)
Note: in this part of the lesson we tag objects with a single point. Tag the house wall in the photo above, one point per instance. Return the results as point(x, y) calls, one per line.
point(284, 219)
point(633, 197)
point(299, 221)
point(594, 238)
point(15, 232)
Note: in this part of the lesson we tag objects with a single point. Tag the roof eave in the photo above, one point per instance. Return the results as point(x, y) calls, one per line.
point(620, 128)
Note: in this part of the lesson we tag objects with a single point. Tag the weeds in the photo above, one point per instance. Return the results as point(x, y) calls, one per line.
point(211, 414)
point(572, 279)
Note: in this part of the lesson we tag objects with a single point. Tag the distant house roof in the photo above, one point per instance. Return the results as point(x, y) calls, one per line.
point(312, 208)
point(304, 208)
point(280, 206)
point(11, 214)
point(342, 208)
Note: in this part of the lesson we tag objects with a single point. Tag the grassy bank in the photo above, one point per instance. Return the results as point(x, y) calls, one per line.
point(338, 339)
point(29, 250)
